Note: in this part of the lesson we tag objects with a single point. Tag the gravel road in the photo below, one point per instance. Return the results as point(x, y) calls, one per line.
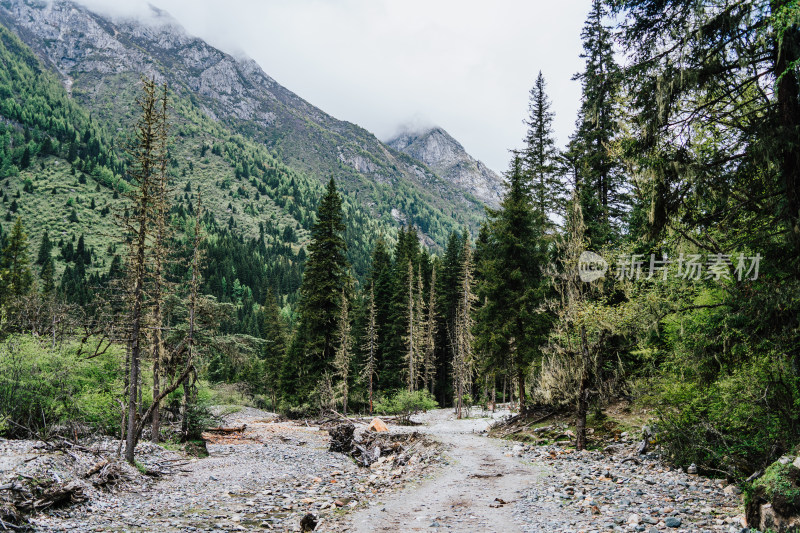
point(276, 472)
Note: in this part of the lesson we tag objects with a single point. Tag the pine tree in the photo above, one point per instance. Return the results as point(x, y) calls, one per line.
point(411, 331)
point(512, 255)
point(45, 249)
point(159, 252)
point(16, 274)
point(47, 275)
point(326, 273)
point(581, 349)
point(541, 155)
point(341, 362)
point(429, 342)
point(273, 331)
point(146, 153)
point(599, 179)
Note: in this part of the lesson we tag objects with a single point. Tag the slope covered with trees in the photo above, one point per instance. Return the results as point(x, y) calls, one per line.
point(654, 259)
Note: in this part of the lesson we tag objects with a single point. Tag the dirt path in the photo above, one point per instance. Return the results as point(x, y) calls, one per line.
point(278, 472)
point(468, 494)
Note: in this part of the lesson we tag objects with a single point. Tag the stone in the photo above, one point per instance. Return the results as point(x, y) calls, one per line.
point(771, 520)
point(731, 490)
point(796, 462)
point(634, 520)
point(672, 521)
point(785, 460)
point(692, 469)
point(377, 425)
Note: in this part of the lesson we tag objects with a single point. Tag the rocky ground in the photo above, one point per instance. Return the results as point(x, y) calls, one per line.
point(275, 472)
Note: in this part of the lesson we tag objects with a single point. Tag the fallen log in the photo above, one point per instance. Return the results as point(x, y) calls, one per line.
point(228, 430)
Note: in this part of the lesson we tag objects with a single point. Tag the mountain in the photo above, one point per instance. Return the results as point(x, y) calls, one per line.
point(446, 157)
point(100, 59)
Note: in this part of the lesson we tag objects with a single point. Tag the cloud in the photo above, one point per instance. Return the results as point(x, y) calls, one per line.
point(464, 65)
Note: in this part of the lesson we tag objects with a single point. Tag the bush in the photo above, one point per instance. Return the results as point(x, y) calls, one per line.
point(779, 487)
point(45, 390)
point(737, 424)
point(404, 404)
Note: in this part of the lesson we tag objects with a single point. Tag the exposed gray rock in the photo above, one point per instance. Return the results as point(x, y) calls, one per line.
point(100, 59)
point(445, 156)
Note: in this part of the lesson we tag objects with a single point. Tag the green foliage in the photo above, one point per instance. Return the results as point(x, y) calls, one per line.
point(511, 253)
point(45, 390)
point(732, 424)
point(780, 486)
point(405, 403)
point(325, 278)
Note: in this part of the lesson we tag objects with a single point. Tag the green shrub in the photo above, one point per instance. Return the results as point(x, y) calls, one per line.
point(45, 390)
point(779, 487)
point(734, 425)
point(405, 403)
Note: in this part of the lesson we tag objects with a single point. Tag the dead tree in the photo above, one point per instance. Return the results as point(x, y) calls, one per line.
point(146, 155)
point(371, 345)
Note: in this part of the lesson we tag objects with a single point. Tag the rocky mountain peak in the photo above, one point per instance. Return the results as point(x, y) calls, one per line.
point(438, 150)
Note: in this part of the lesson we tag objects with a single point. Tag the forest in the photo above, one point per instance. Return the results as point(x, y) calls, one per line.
point(654, 259)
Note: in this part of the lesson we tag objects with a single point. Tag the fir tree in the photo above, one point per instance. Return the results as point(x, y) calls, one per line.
point(541, 155)
point(273, 330)
point(429, 333)
point(598, 176)
point(371, 345)
point(16, 274)
point(513, 286)
point(462, 341)
point(45, 249)
point(326, 273)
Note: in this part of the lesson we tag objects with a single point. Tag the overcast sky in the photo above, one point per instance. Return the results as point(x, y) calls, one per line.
point(464, 65)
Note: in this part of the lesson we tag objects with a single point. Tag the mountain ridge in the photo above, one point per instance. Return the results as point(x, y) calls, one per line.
point(443, 154)
point(98, 58)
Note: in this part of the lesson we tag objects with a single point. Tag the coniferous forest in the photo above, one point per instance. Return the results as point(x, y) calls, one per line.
point(653, 260)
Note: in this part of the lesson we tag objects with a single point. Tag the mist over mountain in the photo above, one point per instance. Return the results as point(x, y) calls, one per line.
point(101, 58)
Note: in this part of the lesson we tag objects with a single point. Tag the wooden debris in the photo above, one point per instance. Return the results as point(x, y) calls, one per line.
point(225, 430)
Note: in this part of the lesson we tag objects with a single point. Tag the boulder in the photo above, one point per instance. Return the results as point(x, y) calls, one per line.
point(377, 425)
point(773, 500)
point(770, 520)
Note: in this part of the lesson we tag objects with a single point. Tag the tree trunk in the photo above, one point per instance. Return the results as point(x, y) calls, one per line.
point(583, 395)
point(521, 383)
point(370, 393)
point(786, 54)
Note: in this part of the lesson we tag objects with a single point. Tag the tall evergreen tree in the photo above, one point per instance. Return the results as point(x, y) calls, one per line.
point(325, 276)
point(14, 268)
point(371, 345)
point(273, 330)
point(463, 362)
point(598, 176)
point(429, 332)
point(512, 326)
point(45, 249)
point(541, 157)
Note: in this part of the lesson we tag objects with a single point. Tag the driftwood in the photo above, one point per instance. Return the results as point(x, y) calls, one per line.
point(225, 430)
point(71, 492)
point(525, 426)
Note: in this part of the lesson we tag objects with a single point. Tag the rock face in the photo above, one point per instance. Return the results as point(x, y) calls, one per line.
point(447, 158)
point(100, 60)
